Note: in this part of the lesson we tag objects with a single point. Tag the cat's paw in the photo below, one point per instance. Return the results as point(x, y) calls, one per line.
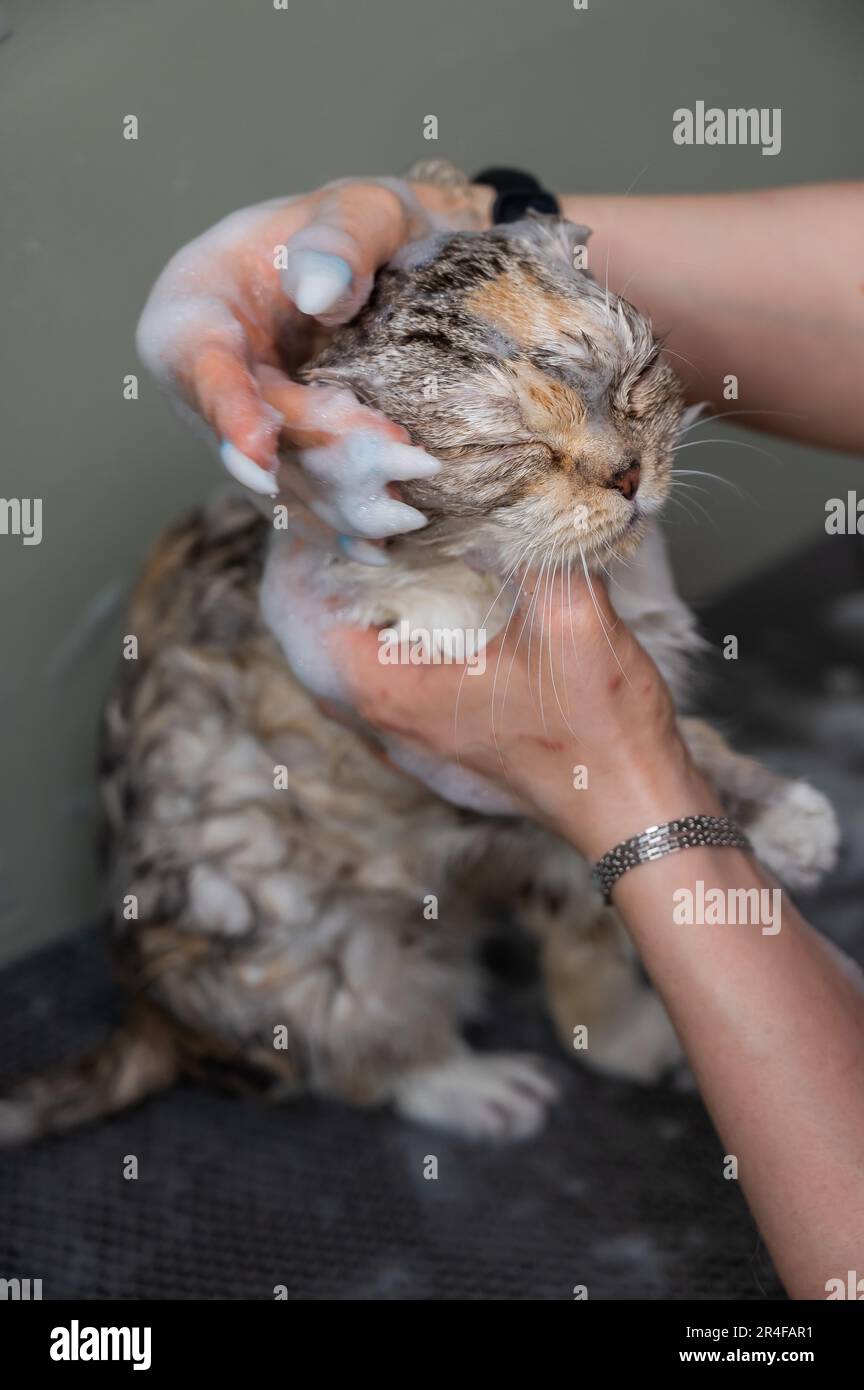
point(797, 835)
point(642, 1046)
point(497, 1096)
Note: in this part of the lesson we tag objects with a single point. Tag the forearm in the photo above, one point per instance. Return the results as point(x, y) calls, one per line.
point(772, 1021)
point(773, 1025)
point(766, 286)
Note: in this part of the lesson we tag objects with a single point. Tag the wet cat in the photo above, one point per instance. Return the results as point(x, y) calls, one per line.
point(279, 935)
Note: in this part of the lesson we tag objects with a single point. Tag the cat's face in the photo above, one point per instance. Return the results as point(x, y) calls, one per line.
point(544, 397)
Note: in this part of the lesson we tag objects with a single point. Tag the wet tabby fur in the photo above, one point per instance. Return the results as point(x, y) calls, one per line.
point(280, 937)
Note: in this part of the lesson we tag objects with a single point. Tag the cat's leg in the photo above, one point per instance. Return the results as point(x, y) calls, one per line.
point(348, 994)
point(604, 1012)
point(376, 1010)
point(791, 825)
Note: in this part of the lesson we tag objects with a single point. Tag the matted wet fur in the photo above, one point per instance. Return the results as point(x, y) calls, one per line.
point(279, 937)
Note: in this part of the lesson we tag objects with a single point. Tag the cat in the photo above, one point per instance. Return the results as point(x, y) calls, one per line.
point(278, 938)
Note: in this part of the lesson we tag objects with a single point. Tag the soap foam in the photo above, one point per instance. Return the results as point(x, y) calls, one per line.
point(301, 617)
point(352, 476)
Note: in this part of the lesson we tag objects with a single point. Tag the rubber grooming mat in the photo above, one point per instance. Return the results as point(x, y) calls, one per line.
point(623, 1192)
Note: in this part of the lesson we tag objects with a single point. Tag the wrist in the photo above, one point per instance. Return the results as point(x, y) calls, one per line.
point(639, 796)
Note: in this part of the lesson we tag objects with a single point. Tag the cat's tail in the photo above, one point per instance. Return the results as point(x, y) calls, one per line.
point(136, 1061)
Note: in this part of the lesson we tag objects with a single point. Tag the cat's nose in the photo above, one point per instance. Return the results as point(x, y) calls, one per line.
point(626, 479)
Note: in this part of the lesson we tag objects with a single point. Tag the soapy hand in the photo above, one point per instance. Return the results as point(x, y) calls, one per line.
point(245, 304)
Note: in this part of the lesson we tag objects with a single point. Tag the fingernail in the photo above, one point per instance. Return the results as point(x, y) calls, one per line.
point(375, 519)
point(315, 280)
point(406, 461)
point(400, 517)
point(363, 551)
point(246, 471)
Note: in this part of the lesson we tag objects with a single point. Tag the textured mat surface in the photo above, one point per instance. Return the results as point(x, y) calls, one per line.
point(622, 1193)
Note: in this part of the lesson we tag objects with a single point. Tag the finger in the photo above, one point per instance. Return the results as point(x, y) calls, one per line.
point(357, 227)
point(358, 649)
point(311, 417)
point(353, 487)
point(388, 694)
point(582, 596)
point(350, 455)
point(246, 425)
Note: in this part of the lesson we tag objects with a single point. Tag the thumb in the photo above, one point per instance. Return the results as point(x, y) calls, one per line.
point(356, 228)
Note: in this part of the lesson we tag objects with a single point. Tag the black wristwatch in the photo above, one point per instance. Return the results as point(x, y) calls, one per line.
point(515, 193)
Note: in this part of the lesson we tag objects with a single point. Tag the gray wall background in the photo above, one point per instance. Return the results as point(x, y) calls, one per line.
point(239, 102)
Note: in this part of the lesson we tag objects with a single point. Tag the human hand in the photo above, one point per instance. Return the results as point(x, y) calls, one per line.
point(571, 716)
point(245, 304)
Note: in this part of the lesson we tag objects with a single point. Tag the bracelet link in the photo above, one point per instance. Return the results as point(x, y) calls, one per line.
point(690, 832)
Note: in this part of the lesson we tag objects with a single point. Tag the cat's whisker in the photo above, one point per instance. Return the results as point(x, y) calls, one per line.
point(527, 549)
point(518, 641)
point(602, 566)
point(629, 189)
point(546, 559)
point(573, 644)
point(682, 358)
point(730, 414)
point(678, 502)
point(607, 545)
point(525, 616)
point(572, 732)
point(699, 505)
point(734, 443)
point(691, 487)
point(544, 627)
point(501, 648)
point(699, 473)
point(680, 473)
point(617, 559)
point(545, 612)
point(539, 653)
point(570, 605)
point(563, 653)
point(600, 616)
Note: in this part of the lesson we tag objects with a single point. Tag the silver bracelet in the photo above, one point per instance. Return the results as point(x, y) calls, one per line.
point(660, 840)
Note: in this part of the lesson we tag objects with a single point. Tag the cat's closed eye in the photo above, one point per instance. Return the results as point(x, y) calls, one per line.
point(640, 395)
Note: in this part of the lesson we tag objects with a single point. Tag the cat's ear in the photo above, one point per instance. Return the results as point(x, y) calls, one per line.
point(554, 236)
point(692, 414)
